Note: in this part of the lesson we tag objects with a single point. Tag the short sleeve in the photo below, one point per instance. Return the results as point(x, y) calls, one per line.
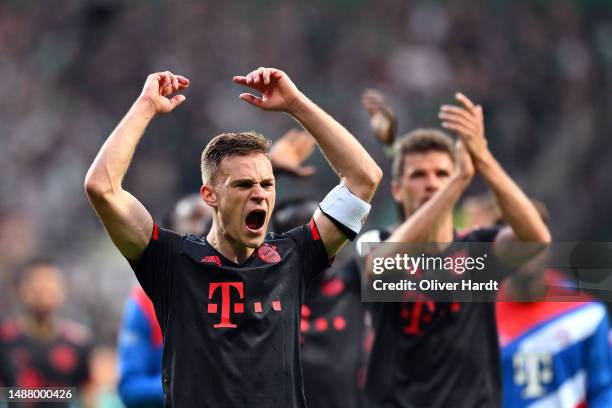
point(312, 251)
point(154, 267)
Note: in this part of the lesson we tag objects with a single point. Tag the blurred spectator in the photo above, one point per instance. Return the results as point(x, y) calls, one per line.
point(43, 350)
point(140, 353)
point(554, 353)
point(554, 339)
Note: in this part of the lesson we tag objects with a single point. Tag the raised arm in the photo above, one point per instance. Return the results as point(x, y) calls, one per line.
point(126, 220)
point(518, 211)
point(290, 151)
point(357, 170)
point(382, 118)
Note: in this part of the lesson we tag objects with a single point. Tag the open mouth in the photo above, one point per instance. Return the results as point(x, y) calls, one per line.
point(255, 220)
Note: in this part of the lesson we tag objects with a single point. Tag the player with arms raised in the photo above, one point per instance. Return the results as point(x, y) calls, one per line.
point(229, 304)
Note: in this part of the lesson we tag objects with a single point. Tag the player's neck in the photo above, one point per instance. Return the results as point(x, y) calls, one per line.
point(230, 249)
point(38, 326)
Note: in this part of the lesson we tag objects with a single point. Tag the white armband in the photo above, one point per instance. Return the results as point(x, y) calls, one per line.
point(346, 208)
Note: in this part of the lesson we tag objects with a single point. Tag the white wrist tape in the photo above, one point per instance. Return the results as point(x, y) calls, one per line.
point(346, 208)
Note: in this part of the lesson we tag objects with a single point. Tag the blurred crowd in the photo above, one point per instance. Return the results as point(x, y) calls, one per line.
point(541, 69)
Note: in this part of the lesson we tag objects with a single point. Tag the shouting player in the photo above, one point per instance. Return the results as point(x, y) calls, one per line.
point(140, 338)
point(229, 304)
point(435, 354)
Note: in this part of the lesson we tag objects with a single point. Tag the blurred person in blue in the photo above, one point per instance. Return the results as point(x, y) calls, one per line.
point(553, 337)
point(554, 341)
point(554, 353)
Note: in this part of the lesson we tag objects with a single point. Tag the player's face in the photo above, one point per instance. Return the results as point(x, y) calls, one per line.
point(245, 191)
point(42, 293)
point(423, 175)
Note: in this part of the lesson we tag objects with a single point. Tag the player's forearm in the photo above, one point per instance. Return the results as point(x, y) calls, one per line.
point(111, 164)
point(348, 158)
point(518, 211)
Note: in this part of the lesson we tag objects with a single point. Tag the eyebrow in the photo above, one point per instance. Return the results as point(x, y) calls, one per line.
point(251, 181)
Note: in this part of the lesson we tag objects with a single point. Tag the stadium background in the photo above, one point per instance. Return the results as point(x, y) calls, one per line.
point(70, 70)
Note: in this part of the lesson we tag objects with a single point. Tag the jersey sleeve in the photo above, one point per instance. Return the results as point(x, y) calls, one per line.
point(599, 367)
point(154, 267)
point(313, 254)
point(138, 386)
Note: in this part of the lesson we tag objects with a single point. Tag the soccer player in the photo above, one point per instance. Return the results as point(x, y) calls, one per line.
point(229, 304)
point(43, 350)
point(140, 338)
point(436, 354)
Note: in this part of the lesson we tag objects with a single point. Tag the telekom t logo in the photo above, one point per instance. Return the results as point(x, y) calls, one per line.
point(534, 371)
point(227, 288)
point(225, 301)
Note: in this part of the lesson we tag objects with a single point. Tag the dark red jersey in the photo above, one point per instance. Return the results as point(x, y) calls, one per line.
point(334, 339)
point(61, 361)
point(435, 354)
point(231, 332)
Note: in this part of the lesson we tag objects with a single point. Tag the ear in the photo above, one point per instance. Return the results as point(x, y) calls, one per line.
point(208, 195)
point(395, 191)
